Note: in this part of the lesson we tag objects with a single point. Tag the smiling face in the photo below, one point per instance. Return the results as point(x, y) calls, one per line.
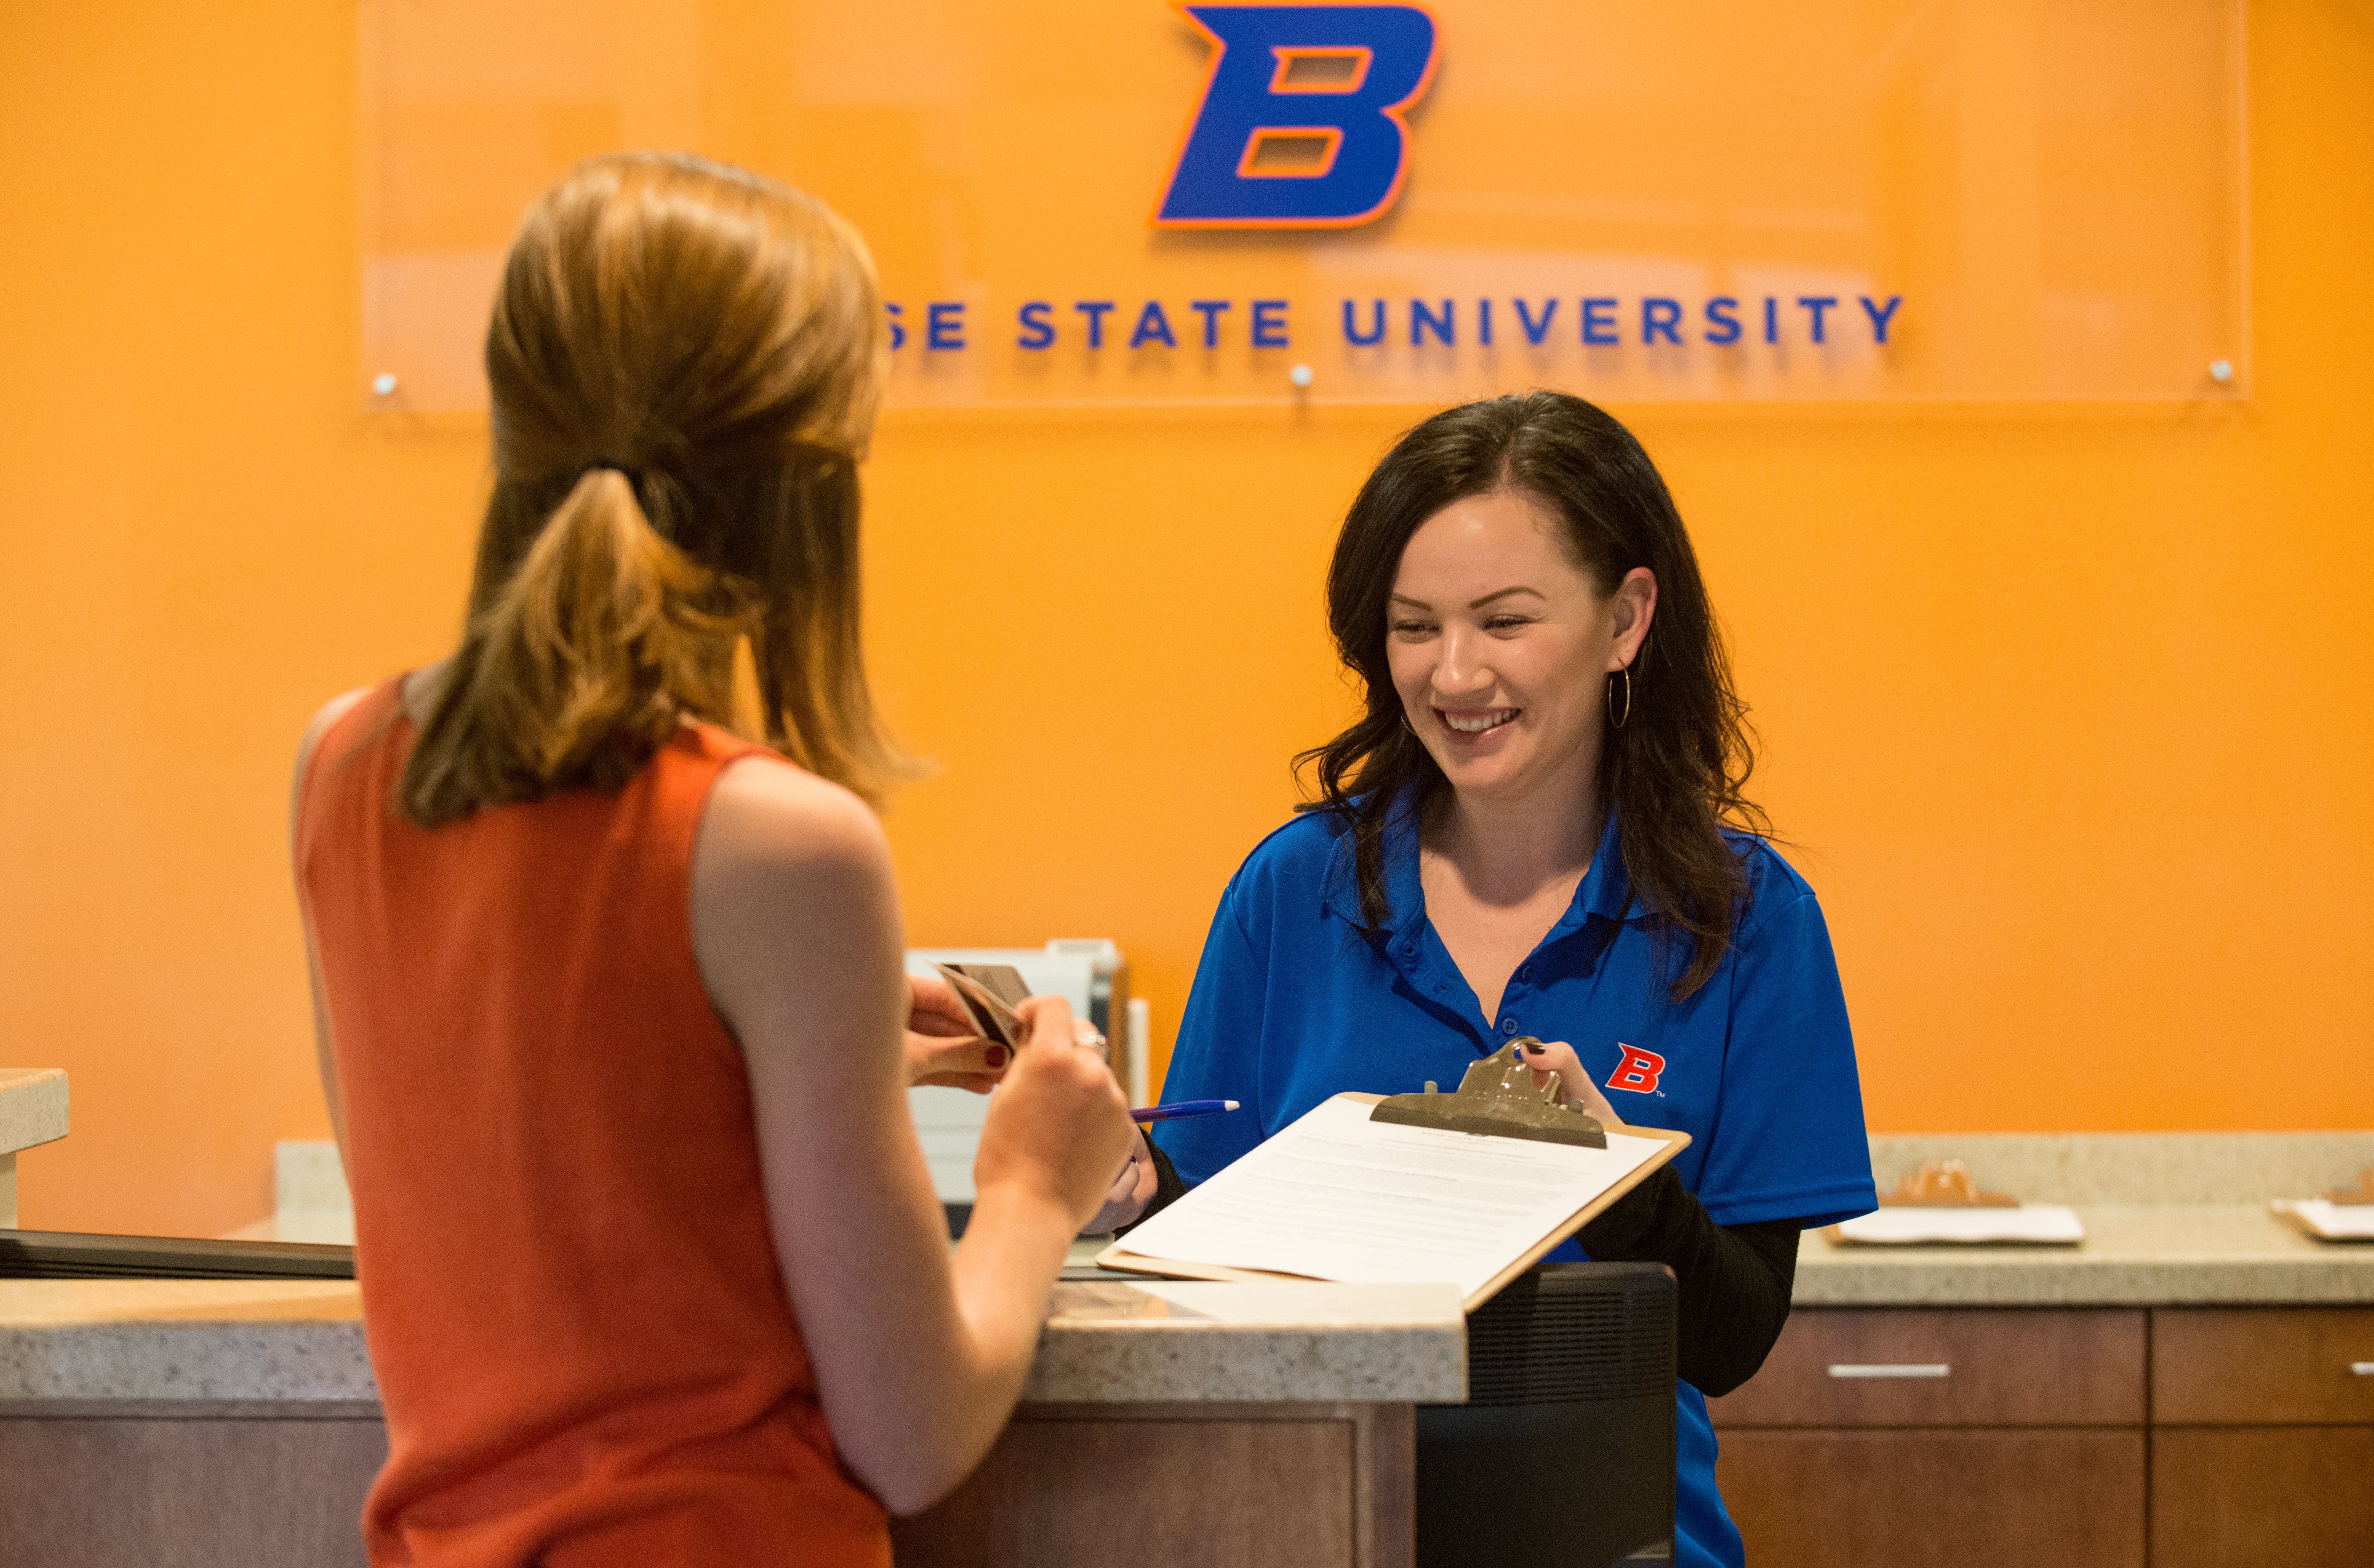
point(1500, 645)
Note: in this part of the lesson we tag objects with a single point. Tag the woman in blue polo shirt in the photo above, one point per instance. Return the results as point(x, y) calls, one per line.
point(1537, 827)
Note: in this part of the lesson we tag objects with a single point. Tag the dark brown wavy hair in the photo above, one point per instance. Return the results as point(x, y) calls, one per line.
point(1675, 774)
point(685, 362)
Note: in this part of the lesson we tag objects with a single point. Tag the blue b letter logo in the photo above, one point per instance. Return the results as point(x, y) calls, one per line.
point(1301, 125)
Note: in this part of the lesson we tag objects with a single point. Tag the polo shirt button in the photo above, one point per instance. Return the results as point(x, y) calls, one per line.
point(1507, 1025)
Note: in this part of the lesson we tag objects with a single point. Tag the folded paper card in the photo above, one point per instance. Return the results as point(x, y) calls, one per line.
point(2360, 1195)
point(1943, 1184)
point(991, 992)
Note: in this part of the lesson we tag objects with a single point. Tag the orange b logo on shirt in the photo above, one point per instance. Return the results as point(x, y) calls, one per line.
point(1638, 1072)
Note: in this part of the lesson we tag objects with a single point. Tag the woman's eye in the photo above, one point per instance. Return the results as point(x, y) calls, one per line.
point(1507, 622)
point(1412, 628)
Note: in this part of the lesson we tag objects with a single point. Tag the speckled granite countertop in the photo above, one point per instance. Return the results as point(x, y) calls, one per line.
point(32, 1112)
point(1123, 1339)
point(2133, 1255)
point(32, 1107)
point(229, 1347)
point(2171, 1219)
point(183, 1344)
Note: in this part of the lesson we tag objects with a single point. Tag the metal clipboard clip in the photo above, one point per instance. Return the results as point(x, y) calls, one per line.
point(1496, 1099)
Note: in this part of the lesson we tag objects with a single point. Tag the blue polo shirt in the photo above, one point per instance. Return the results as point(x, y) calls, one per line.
point(1295, 1001)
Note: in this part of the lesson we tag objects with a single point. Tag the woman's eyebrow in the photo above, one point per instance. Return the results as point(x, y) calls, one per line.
point(1473, 604)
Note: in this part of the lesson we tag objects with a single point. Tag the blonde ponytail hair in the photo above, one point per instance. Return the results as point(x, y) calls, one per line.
point(684, 362)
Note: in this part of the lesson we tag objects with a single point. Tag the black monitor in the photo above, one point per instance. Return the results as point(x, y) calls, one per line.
point(1563, 1454)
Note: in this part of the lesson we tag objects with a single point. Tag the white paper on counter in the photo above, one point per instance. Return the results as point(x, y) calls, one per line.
point(1339, 1196)
point(1917, 1225)
point(2334, 1222)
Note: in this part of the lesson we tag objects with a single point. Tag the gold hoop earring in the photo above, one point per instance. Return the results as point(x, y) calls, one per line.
point(1615, 721)
point(1405, 727)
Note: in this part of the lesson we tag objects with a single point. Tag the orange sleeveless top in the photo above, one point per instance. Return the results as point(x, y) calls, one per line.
point(583, 1345)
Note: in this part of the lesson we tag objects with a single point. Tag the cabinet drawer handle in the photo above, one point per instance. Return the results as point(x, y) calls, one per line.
point(2362, 1368)
point(1892, 1369)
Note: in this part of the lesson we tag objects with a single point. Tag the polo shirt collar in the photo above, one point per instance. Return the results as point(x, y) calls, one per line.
point(1605, 890)
point(1340, 892)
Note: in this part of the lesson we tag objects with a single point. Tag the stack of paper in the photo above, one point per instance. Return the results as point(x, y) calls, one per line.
point(1908, 1225)
point(2330, 1222)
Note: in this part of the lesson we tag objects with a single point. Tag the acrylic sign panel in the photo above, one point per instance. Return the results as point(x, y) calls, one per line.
point(1071, 205)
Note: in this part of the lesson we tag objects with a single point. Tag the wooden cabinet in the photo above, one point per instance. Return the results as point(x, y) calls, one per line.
point(1969, 1366)
point(2259, 1366)
point(1936, 1499)
point(1181, 1486)
point(1976, 1436)
point(2236, 1497)
point(1082, 1486)
point(232, 1493)
point(1973, 1437)
point(2262, 1437)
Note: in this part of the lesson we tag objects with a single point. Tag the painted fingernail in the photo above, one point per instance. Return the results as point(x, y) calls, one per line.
point(997, 1056)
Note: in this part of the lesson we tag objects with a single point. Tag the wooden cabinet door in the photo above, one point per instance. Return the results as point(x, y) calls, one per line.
point(1961, 1366)
point(1180, 1486)
point(2262, 1497)
point(2263, 1366)
point(1936, 1498)
point(78, 1492)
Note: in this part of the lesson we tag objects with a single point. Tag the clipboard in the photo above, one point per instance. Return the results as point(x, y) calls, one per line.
point(1496, 1099)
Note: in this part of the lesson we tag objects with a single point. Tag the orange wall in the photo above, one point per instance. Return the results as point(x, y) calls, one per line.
point(2067, 711)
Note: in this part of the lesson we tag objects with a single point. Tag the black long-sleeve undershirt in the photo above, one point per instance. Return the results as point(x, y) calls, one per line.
point(1732, 1282)
point(1169, 1187)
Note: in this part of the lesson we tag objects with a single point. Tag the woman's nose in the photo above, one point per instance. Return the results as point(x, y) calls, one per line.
point(1463, 668)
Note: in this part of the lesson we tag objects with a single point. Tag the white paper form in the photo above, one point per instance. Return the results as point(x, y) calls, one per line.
point(1338, 1197)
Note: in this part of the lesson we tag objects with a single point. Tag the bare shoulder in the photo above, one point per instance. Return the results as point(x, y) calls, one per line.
point(324, 721)
point(795, 909)
point(779, 848)
point(766, 815)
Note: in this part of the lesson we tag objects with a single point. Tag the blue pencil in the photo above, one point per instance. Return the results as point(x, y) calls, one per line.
point(1183, 1108)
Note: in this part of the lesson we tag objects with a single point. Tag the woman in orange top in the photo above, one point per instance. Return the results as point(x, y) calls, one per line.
point(608, 957)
